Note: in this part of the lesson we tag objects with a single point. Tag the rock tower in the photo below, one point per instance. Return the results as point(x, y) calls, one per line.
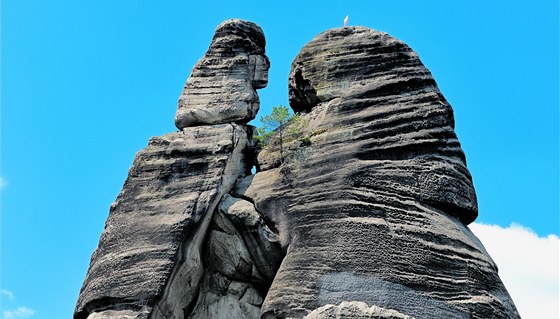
point(365, 217)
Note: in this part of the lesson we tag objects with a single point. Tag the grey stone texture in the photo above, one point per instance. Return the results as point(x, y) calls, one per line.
point(168, 249)
point(373, 201)
point(150, 249)
point(222, 85)
point(366, 216)
point(354, 309)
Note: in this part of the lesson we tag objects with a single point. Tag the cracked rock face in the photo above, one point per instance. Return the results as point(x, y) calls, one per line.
point(221, 87)
point(365, 217)
point(156, 227)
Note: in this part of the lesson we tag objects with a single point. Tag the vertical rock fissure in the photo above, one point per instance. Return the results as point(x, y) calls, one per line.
point(182, 288)
point(240, 248)
point(152, 250)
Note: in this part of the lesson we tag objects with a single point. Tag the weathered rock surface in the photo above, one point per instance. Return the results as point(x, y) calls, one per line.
point(169, 248)
point(221, 87)
point(156, 226)
point(365, 216)
point(354, 309)
point(243, 255)
point(372, 202)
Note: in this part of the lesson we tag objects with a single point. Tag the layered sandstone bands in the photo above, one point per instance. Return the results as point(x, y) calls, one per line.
point(155, 233)
point(221, 87)
point(373, 208)
point(175, 244)
point(366, 216)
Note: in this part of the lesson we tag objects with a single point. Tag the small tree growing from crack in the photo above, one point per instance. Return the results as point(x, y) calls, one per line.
point(279, 127)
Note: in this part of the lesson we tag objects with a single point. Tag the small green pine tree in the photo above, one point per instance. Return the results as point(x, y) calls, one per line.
point(279, 127)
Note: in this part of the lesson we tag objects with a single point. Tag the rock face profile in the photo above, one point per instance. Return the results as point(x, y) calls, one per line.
point(175, 244)
point(221, 88)
point(364, 215)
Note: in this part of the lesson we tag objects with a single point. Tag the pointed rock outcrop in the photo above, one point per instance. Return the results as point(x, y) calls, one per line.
point(169, 248)
point(363, 215)
point(221, 88)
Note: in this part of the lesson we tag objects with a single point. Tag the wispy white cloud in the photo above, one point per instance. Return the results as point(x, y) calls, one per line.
point(3, 183)
point(8, 294)
point(20, 312)
point(11, 310)
point(528, 265)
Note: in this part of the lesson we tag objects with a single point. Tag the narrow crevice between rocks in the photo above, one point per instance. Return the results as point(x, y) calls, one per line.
point(190, 307)
point(259, 237)
point(233, 282)
point(182, 289)
point(192, 286)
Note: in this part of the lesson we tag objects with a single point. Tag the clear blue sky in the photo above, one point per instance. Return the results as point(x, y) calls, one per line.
point(85, 84)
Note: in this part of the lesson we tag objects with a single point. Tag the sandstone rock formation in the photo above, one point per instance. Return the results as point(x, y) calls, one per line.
point(365, 217)
point(372, 209)
point(175, 243)
point(221, 88)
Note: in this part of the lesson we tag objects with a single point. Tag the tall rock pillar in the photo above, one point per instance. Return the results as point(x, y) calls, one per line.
point(373, 200)
point(166, 245)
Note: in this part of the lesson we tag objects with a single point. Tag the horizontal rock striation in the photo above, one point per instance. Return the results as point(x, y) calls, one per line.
point(176, 244)
point(221, 87)
point(363, 215)
point(156, 225)
point(372, 202)
point(242, 257)
point(352, 309)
